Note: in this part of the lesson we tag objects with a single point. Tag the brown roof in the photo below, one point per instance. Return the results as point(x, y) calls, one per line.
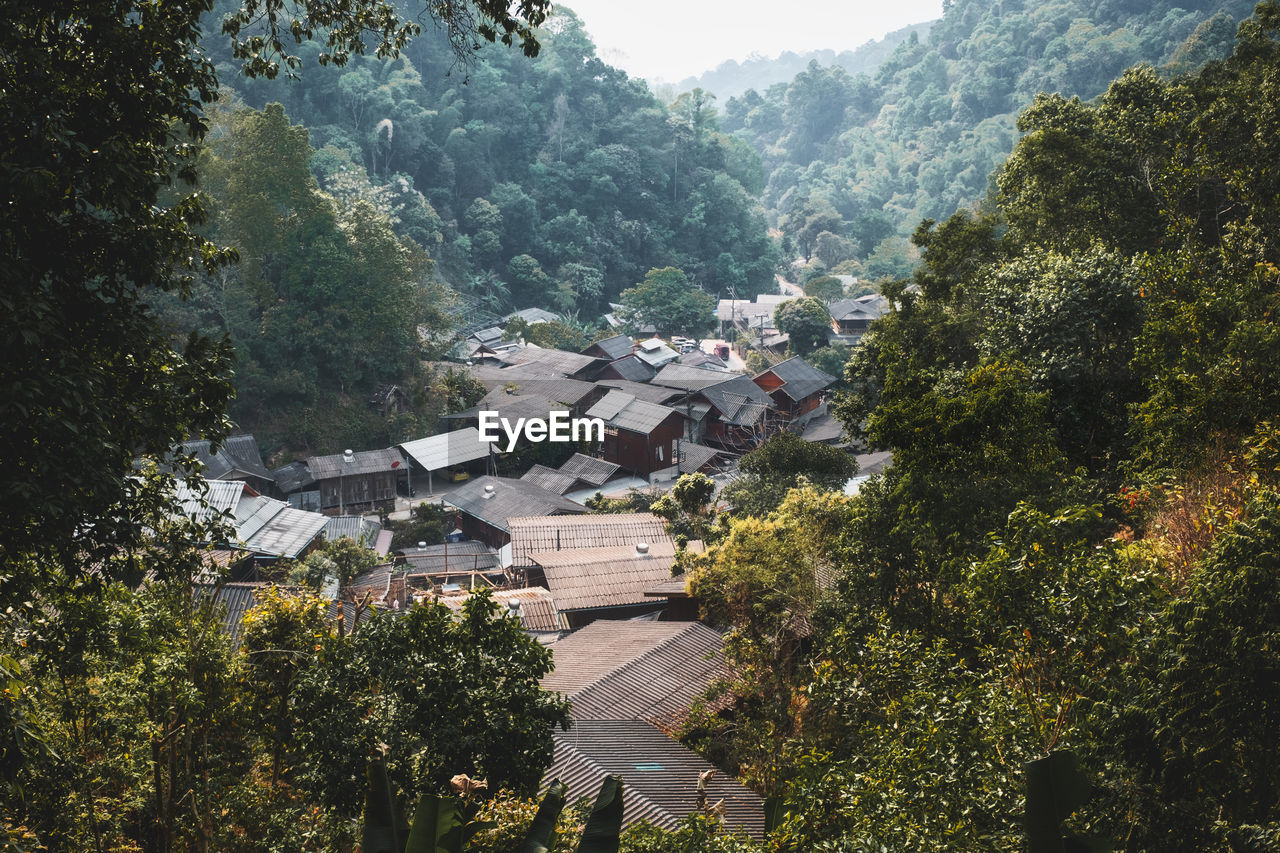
point(622, 669)
point(537, 609)
point(587, 578)
point(563, 532)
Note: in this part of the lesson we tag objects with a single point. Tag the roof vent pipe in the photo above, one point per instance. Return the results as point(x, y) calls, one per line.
point(642, 549)
point(422, 546)
point(488, 492)
point(348, 455)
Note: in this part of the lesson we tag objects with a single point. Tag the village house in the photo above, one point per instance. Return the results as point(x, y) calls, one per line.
point(796, 388)
point(352, 480)
point(485, 504)
point(639, 436)
point(603, 583)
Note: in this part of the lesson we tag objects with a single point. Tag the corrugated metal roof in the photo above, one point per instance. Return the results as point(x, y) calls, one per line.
point(211, 499)
point(293, 477)
point(537, 608)
point(626, 412)
point(688, 378)
point(543, 534)
point(630, 670)
point(659, 776)
point(642, 390)
point(509, 499)
point(593, 472)
point(552, 361)
point(823, 428)
point(549, 478)
point(280, 530)
point(800, 378)
point(738, 400)
point(694, 457)
point(513, 407)
point(236, 599)
point(361, 530)
point(613, 348)
point(655, 353)
point(534, 315)
point(448, 448)
point(363, 462)
point(239, 454)
point(586, 578)
point(632, 369)
point(570, 392)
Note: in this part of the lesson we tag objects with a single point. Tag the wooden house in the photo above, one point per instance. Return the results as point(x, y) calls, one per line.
point(796, 387)
point(485, 504)
point(639, 436)
point(356, 481)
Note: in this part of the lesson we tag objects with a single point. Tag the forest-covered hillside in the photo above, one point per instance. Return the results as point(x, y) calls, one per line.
point(864, 158)
point(731, 79)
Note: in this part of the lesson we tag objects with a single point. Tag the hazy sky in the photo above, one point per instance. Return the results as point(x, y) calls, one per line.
point(674, 39)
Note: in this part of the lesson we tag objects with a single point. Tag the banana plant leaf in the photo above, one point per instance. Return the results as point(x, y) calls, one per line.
point(384, 825)
point(542, 832)
point(604, 827)
point(437, 826)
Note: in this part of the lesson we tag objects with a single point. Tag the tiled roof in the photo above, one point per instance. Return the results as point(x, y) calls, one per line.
point(659, 775)
point(362, 462)
point(587, 578)
point(628, 670)
point(624, 411)
point(449, 448)
point(593, 472)
point(509, 499)
point(800, 378)
point(549, 478)
point(533, 535)
point(614, 347)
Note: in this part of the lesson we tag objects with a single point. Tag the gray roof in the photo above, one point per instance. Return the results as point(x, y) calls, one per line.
point(632, 368)
point(273, 528)
point(738, 400)
point(614, 347)
point(294, 477)
point(534, 315)
point(628, 670)
point(549, 478)
point(588, 578)
point(643, 391)
point(363, 462)
point(238, 456)
point(213, 499)
point(698, 358)
point(514, 406)
point(624, 411)
point(541, 534)
point(449, 448)
point(689, 378)
point(593, 472)
point(451, 558)
point(655, 352)
point(694, 457)
point(509, 499)
point(823, 428)
point(800, 378)
point(571, 392)
point(236, 599)
point(360, 530)
point(549, 362)
point(660, 776)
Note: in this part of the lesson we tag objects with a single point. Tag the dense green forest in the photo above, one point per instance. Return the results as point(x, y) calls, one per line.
point(555, 182)
point(864, 157)
point(1075, 547)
